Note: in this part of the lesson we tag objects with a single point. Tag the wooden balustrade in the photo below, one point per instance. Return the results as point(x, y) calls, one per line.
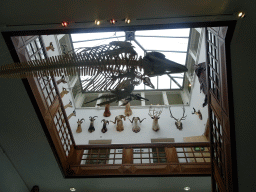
point(141, 159)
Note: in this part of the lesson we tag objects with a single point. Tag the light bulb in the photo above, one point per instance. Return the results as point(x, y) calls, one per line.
point(64, 23)
point(241, 14)
point(97, 22)
point(112, 21)
point(127, 20)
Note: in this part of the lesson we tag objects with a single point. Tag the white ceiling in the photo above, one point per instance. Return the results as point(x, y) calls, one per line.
point(22, 137)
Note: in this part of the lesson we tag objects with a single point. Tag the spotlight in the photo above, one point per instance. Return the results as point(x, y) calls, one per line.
point(64, 23)
point(241, 14)
point(72, 189)
point(127, 20)
point(113, 21)
point(186, 188)
point(97, 22)
point(189, 84)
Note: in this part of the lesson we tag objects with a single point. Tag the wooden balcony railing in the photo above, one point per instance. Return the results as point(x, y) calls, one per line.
point(140, 159)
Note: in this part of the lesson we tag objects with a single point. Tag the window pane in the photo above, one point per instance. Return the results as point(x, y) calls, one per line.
point(165, 32)
point(30, 52)
point(165, 44)
point(164, 82)
point(37, 56)
point(91, 36)
point(96, 43)
point(33, 44)
point(42, 54)
point(38, 43)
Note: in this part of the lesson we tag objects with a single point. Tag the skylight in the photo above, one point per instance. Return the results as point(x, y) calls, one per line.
point(173, 43)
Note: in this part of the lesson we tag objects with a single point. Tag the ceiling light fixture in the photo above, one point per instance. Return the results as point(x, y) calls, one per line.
point(97, 22)
point(64, 23)
point(127, 21)
point(112, 21)
point(72, 189)
point(186, 188)
point(189, 85)
point(241, 14)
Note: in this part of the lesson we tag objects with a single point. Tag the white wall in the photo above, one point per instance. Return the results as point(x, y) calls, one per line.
point(47, 39)
point(192, 126)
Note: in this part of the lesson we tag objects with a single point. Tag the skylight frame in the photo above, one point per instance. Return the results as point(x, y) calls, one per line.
point(173, 80)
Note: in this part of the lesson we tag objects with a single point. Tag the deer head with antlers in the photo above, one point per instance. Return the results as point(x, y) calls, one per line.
point(178, 122)
point(155, 115)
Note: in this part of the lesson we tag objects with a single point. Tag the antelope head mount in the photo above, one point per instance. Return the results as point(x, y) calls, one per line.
point(178, 122)
point(104, 128)
point(63, 92)
point(79, 127)
point(119, 122)
point(91, 128)
point(198, 113)
point(136, 127)
point(62, 80)
point(68, 105)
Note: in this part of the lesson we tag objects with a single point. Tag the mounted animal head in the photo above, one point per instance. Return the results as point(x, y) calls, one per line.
point(105, 121)
point(62, 80)
point(79, 122)
point(178, 122)
point(198, 113)
point(92, 119)
point(154, 114)
point(136, 119)
point(64, 90)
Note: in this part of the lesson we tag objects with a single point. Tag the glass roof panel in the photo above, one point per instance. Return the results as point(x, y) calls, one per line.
point(164, 82)
point(165, 32)
point(96, 42)
point(176, 57)
point(91, 36)
point(163, 44)
point(172, 43)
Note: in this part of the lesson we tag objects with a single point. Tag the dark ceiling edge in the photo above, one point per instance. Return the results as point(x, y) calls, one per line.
point(68, 30)
point(15, 58)
point(231, 27)
point(229, 36)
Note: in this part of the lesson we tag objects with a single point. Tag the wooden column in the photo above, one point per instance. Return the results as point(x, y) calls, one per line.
point(75, 156)
point(127, 156)
point(171, 155)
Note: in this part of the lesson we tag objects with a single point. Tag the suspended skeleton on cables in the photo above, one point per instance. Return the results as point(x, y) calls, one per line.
point(114, 67)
